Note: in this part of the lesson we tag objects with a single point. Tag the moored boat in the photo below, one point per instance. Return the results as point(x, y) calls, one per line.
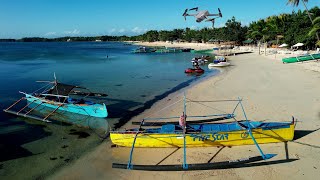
point(219, 61)
point(307, 57)
point(206, 135)
point(58, 98)
point(220, 64)
point(204, 51)
point(194, 70)
point(168, 50)
point(143, 50)
point(201, 135)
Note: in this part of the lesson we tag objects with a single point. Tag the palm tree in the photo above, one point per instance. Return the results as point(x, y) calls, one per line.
point(315, 28)
point(296, 3)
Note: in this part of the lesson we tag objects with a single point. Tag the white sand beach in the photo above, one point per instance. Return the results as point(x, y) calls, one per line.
point(271, 91)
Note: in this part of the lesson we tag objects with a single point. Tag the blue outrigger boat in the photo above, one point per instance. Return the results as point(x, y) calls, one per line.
point(58, 97)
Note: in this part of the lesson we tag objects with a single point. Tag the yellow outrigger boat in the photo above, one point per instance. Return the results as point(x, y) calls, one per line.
point(202, 134)
point(206, 135)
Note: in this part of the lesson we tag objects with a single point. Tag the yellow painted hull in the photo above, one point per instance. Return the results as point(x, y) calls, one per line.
point(230, 138)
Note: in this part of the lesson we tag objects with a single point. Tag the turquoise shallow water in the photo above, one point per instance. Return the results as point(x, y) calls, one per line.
point(132, 81)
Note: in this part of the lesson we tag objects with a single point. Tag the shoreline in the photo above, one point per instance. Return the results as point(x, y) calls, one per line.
point(268, 92)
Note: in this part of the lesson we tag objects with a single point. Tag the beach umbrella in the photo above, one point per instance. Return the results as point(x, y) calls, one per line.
point(298, 45)
point(283, 45)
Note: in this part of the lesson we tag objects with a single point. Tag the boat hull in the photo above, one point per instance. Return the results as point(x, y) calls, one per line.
point(168, 51)
point(205, 51)
point(221, 64)
point(301, 58)
point(95, 110)
point(205, 139)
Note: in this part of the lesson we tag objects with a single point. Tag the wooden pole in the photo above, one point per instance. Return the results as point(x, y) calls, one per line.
point(14, 103)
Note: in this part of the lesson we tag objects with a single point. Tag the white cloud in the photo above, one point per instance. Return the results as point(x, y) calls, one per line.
point(138, 30)
point(50, 34)
point(74, 32)
point(124, 31)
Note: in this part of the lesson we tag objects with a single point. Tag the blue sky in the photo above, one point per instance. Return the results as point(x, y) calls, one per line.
point(56, 18)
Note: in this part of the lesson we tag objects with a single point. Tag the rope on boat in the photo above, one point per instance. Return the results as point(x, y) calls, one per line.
point(190, 100)
point(162, 109)
point(207, 106)
point(41, 88)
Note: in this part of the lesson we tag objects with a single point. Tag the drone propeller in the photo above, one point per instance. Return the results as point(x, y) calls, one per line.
point(185, 14)
point(196, 8)
point(220, 14)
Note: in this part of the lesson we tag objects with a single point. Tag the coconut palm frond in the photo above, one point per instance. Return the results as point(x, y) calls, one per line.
point(314, 30)
point(316, 20)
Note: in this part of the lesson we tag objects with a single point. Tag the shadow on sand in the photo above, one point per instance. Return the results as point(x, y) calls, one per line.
point(298, 134)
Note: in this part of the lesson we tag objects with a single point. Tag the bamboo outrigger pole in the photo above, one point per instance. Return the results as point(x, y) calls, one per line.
point(264, 156)
point(185, 165)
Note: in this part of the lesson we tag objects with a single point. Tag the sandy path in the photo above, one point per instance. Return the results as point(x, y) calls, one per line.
point(271, 91)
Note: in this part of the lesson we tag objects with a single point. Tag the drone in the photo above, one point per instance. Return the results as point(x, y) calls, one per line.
point(202, 15)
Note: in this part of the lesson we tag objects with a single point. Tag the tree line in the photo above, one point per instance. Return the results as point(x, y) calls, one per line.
point(289, 28)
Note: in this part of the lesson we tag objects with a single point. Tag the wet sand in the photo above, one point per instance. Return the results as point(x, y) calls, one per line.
point(271, 91)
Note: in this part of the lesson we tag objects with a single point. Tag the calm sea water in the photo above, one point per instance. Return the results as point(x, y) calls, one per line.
point(132, 81)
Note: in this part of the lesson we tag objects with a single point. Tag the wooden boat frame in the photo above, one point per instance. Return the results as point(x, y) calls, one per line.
point(200, 166)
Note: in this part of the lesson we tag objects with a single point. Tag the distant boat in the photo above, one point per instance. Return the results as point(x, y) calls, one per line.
point(220, 61)
point(307, 57)
point(186, 49)
point(205, 51)
point(143, 50)
point(194, 70)
point(58, 97)
point(220, 64)
point(168, 50)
